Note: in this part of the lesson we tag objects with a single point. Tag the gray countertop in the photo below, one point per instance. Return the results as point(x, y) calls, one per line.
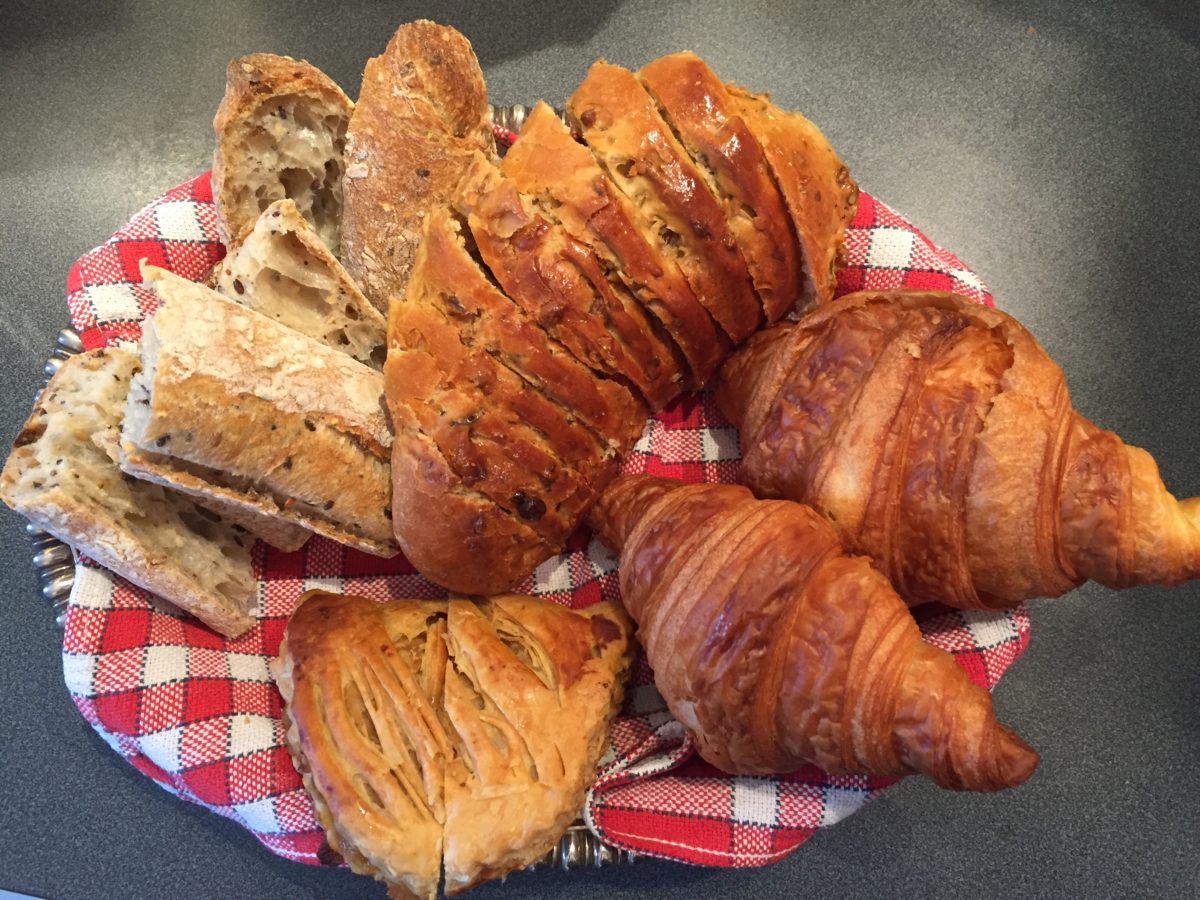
point(1053, 146)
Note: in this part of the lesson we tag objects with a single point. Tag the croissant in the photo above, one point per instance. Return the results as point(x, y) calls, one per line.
point(938, 437)
point(776, 649)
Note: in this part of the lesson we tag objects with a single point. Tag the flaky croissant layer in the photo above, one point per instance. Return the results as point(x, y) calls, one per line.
point(938, 437)
point(775, 649)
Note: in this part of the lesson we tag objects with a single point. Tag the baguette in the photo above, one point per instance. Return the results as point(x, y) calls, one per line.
point(61, 475)
point(421, 116)
point(231, 404)
point(283, 270)
point(281, 132)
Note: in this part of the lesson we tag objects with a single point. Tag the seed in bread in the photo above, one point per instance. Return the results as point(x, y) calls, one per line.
point(232, 404)
point(63, 477)
point(622, 127)
point(282, 269)
point(281, 133)
point(421, 116)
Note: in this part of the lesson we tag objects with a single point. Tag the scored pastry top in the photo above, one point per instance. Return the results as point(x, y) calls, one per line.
point(454, 731)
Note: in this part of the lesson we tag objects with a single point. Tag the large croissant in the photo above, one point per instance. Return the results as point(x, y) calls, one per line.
point(938, 437)
point(775, 649)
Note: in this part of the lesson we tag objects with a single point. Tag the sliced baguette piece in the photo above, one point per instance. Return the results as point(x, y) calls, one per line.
point(821, 196)
point(233, 405)
point(622, 127)
point(566, 184)
point(281, 132)
point(560, 283)
point(282, 269)
point(62, 477)
point(421, 116)
point(708, 123)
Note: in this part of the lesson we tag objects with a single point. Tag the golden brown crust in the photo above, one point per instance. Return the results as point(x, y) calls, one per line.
point(708, 123)
point(294, 108)
point(564, 180)
point(821, 196)
point(559, 283)
point(431, 731)
point(621, 125)
point(420, 118)
point(514, 432)
point(939, 438)
point(775, 649)
point(263, 414)
point(463, 400)
point(454, 536)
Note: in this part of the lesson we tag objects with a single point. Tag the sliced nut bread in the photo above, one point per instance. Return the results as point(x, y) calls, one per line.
point(622, 127)
point(821, 196)
point(283, 270)
point(561, 284)
point(231, 404)
point(566, 184)
point(697, 106)
point(62, 476)
point(281, 132)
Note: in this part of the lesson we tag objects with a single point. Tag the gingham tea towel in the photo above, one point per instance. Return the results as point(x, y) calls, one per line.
point(200, 715)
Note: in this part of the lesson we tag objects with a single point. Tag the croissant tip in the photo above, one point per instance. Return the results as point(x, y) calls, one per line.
point(1015, 760)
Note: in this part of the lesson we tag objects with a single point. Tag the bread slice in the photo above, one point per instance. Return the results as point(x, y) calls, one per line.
point(282, 269)
point(821, 196)
point(421, 116)
point(281, 133)
point(565, 184)
point(61, 475)
point(560, 283)
point(233, 405)
point(707, 122)
point(458, 735)
point(622, 127)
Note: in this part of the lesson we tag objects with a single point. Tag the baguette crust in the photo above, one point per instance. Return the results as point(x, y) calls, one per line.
point(421, 116)
point(62, 477)
point(280, 130)
point(296, 429)
point(621, 125)
point(283, 269)
point(565, 182)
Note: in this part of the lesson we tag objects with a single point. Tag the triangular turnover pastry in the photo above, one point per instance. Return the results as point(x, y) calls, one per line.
point(450, 733)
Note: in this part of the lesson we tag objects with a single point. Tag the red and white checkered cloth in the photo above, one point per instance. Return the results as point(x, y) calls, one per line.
point(200, 715)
